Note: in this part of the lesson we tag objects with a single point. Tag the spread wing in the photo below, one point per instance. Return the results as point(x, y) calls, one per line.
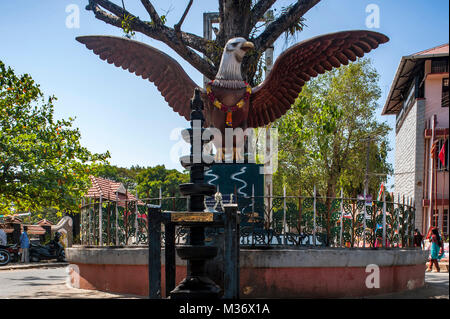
point(307, 59)
point(143, 60)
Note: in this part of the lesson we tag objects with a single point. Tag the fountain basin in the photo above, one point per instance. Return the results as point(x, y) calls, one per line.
point(271, 273)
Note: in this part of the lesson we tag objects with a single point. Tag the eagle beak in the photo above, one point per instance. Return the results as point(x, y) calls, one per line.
point(247, 46)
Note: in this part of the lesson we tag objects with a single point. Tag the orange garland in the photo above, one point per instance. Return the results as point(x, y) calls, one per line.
point(226, 108)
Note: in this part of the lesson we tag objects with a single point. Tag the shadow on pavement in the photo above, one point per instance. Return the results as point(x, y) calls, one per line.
point(436, 287)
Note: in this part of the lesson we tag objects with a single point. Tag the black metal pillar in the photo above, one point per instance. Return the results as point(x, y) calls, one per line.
point(169, 252)
point(231, 252)
point(154, 251)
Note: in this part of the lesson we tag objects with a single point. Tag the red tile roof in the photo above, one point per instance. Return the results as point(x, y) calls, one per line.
point(12, 219)
point(31, 230)
point(109, 190)
point(104, 187)
point(44, 222)
point(34, 230)
point(436, 50)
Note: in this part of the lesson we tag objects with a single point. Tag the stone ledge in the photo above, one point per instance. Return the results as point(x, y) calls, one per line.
point(255, 258)
point(333, 258)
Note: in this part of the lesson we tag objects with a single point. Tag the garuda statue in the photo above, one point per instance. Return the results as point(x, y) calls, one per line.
point(229, 101)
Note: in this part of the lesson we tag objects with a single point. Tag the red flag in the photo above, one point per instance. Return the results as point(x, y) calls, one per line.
point(380, 193)
point(433, 149)
point(441, 155)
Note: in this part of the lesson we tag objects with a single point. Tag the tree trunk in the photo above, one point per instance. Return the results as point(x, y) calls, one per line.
point(236, 20)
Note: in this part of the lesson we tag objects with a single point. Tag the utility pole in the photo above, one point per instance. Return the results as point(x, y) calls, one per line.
point(366, 178)
point(366, 189)
point(208, 19)
point(268, 163)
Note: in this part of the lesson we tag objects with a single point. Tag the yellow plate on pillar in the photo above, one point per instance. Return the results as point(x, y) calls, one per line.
point(192, 217)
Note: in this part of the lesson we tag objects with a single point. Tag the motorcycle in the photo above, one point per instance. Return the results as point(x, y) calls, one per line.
point(5, 257)
point(53, 250)
point(9, 253)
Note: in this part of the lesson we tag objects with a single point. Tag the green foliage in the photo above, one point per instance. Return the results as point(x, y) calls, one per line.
point(126, 26)
point(126, 176)
point(50, 214)
point(322, 138)
point(145, 180)
point(151, 179)
point(42, 163)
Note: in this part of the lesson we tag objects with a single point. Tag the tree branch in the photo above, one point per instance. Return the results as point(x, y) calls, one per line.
point(153, 31)
point(108, 5)
point(258, 11)
point(158, 32)
point(276, 28)
point(152, 12)
point(104, 16)
point(178, 25)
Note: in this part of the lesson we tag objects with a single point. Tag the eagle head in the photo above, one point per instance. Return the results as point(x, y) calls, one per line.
point(233, 54)
point(237, 48)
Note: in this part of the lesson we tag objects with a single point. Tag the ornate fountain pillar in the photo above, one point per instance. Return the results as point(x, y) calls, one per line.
point(196, 284)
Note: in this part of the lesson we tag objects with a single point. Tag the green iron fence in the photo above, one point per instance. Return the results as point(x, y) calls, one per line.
point(273, 221)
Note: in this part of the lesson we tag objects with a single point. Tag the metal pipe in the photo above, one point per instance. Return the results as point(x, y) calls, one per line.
point(90, 224)
point(342, 217)
point(364, 221)
point(284, 214)
point(398, 220)
point(314, 217)
point(100, 222)
point(136, 220)
point(117, 219)
point(384, 219)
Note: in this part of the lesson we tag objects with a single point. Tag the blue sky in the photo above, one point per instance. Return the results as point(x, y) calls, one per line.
point(119, 112)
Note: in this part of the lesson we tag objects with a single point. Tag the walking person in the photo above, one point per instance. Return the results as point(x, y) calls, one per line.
point(437, 250)
point(25, 245)
point(418, 238)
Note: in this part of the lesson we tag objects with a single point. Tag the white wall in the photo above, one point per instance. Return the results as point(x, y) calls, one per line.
point(409, 161)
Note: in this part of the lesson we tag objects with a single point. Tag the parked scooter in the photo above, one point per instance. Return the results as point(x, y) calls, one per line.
point(9, 253)
point(53, 250)
point(5, 257)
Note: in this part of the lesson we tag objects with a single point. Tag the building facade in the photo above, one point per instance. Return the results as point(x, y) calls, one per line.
point(419, 98)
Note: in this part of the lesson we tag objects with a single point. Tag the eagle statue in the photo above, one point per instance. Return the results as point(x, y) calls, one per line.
point(229, 101)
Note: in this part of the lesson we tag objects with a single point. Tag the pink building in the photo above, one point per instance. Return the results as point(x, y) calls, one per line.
point(419, 99)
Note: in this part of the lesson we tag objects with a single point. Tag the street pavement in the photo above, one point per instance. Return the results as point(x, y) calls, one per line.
point(50, 283)
point(45, 283)
point(436, 287)
point(41, 264)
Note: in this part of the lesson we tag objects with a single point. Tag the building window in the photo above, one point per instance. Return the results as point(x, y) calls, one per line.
point(440, 166)
point(439, 66)
point(444, 101)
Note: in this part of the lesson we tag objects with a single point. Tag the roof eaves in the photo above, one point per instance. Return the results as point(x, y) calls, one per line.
point(400, 68)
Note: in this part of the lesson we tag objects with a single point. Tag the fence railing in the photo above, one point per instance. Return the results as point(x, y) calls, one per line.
point(265, 221)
